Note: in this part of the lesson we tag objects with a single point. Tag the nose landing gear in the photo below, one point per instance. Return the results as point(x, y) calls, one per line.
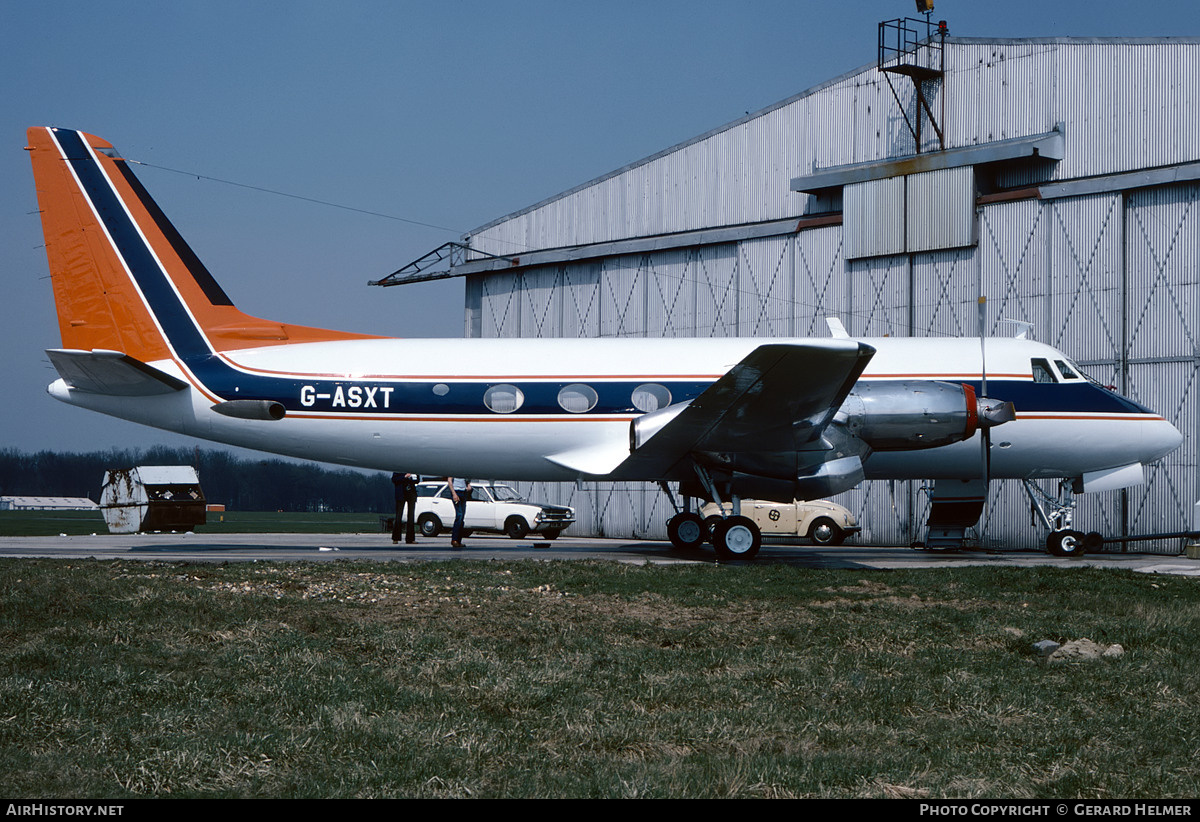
point(1055, 514)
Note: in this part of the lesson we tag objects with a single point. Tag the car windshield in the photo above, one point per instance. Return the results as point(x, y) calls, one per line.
point(504, 493)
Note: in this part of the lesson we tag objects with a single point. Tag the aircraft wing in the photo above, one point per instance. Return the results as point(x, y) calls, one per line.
point(779, 398)
point(112, 373)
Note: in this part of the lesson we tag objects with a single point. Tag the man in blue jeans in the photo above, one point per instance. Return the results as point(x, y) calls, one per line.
point(460, 492)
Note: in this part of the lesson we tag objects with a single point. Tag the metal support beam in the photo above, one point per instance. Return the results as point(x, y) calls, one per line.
point(443, 259)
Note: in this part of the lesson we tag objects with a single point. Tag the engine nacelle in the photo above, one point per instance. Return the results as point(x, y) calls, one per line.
point(251, 409)
point(642, 428)
point(911, 414)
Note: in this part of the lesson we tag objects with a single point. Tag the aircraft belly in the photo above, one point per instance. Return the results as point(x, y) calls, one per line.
point(485, 448)
point(1036, 448)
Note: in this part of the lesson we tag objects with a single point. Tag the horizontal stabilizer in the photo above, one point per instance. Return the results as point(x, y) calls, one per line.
point(111, 373)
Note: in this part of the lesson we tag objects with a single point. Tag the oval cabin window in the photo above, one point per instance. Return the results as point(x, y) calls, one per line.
point(503, 399)
point(651, 397)
point(578, 398)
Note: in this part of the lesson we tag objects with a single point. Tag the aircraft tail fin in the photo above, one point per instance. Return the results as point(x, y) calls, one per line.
point(124, 279)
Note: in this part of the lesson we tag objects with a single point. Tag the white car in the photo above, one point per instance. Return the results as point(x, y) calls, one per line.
point(822, 521)
point(492, 507)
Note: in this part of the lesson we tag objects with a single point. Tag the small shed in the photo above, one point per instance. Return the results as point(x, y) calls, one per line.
point(152, 498)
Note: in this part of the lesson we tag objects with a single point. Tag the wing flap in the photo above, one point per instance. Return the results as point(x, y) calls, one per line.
point(111, 373)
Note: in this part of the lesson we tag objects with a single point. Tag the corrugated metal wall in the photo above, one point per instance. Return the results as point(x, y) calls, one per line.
point(1109, 278)
point(1109, 95)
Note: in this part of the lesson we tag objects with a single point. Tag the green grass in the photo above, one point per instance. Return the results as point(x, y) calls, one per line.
point(50, 523)
point(577, 679)
point(81, 523)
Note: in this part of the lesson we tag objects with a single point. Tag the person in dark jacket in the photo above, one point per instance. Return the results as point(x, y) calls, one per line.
point(406, 496)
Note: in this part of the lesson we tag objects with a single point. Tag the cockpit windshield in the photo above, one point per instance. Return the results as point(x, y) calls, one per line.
point(1062, 371)
point(1042, 371)
point(1067, 372)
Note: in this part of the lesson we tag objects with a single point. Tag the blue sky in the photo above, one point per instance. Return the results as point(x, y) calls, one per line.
point(446, 113)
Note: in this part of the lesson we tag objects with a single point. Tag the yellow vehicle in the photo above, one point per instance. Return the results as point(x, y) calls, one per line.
point(822, 521)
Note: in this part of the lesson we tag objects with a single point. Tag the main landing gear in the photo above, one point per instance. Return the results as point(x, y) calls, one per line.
point(736, 537)
point(733, 537)
point(1055, 514)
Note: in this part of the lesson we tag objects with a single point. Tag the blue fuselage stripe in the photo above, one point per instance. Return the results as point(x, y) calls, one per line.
point(181, 332)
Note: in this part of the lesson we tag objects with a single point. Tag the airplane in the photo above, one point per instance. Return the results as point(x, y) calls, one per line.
point(149, 336)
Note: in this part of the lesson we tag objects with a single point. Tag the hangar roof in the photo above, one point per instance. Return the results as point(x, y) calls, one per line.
point(1086, 102)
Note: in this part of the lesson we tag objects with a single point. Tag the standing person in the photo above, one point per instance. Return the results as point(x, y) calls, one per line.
point(460, 492)
point(406, 497)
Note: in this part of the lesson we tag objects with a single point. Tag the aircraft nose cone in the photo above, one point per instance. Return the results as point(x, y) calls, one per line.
point(1161, 439)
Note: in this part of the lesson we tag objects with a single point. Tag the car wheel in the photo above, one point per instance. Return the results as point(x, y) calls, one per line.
point(825, 531)
point(429, 525)
point(551, 533)
point(516, 528)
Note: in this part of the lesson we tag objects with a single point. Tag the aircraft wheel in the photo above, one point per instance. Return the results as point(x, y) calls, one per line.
point(516, 528)
point(1065, 543)
point(825, 531)
point(1093, 542)
point(737, 538)
point(710, 525)
point(686, 531)
point(429, 525)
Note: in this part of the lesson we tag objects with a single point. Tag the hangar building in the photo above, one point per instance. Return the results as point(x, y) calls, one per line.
point(1059, 178)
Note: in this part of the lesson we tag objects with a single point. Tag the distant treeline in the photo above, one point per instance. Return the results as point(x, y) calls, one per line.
point(239, 484)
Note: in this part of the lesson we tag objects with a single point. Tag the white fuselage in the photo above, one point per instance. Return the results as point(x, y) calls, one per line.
point(419, 405)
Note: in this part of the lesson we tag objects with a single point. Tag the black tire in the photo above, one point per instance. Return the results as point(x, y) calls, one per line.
point(737, 538)
point(1065, 543)
point(551, 533)
point(429, 525)
point(825, 531)
point(686, 531)
point(516, 528)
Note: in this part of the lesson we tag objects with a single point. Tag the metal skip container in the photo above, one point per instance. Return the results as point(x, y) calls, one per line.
point(152, 498)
